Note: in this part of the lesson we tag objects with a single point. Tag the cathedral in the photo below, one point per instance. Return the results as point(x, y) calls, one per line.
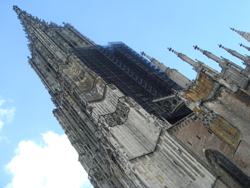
point(136, 123)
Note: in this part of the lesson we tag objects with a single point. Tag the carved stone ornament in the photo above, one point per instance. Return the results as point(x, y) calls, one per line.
point(103, 130)
point(119, 117)
point(208, 119)
point(94, 173)
point(98, 134)
point(132, 103)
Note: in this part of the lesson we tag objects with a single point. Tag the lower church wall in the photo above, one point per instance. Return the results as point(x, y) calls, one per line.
point(170, 165)
point(235, 108)
point(199, 139)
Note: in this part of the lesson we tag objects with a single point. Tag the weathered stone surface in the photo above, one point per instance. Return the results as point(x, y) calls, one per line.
point(115, 108)
point(199, 139)
point(233, 110)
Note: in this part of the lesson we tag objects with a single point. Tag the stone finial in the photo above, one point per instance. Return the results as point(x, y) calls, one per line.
point(154, 61)
point(210, 55)
point(234, 53)
point(241, 45)
point(227, 49)
point(17, 9)
point(196, 47)
point(170, 49)
point(142, 53)
point(147, 56)
point(186, 59)
point(232, 29)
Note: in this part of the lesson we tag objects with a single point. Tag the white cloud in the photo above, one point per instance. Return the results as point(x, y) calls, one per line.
point(52, 164)
point(6, 114)
point(1, 125)
point(7, 141)
point(1, 101)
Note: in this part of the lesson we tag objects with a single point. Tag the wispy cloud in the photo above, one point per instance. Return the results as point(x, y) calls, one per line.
point(1, 101)
point(52, 164)
point(6, 113)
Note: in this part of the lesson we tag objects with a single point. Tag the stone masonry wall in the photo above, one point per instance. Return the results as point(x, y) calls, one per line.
point(198, 139)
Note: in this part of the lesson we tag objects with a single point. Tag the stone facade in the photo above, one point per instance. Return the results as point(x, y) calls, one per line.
point(134, 125)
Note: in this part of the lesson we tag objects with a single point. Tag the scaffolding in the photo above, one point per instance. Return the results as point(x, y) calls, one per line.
point(133, 75)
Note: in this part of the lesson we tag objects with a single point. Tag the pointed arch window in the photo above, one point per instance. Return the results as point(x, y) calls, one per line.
point(224, 168)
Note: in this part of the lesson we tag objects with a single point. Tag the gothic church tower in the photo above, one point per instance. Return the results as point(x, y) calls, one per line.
point(135, 122)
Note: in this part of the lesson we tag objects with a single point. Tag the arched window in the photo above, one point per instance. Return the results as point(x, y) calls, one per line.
point(225, 169)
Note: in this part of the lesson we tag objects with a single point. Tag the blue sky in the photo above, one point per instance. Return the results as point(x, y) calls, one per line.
point(28, 130)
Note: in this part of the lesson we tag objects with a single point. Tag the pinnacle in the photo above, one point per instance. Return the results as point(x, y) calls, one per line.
point(220, 46)
point(248, 48)
point(170, 49)
point(196, 47)
point(17, 9)
point(150, 58)
point(29, 22)
point(142, 53)
point(233, 29)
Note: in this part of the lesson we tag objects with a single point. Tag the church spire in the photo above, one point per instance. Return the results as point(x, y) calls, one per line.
point(224, 63)
point(195, 64)
point(147, 56)
point(30, 24)
point(173, 74)
point(211, 56)
point(245, 35)
point(17, 9)
point(37, 34)
point(248, 48)
point(154, 61)
point(236, 54)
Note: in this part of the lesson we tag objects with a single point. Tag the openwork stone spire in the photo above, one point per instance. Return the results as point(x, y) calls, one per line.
point(48, 33)
point(195, 64)
point(30, 23)
point(245, 35)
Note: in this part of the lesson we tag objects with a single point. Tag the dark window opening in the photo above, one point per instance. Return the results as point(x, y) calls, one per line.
point(198, 137)
point(224, 166)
